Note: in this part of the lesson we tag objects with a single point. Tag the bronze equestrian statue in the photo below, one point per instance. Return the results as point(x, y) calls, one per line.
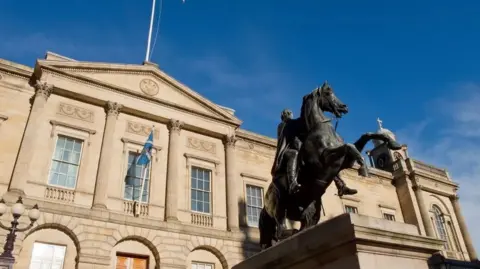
point(289, 150)
point(319, 155)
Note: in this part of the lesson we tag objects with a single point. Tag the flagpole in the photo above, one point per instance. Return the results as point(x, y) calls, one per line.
point(147, 55)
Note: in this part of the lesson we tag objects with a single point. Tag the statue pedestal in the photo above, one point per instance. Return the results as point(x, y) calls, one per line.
point(349, 242)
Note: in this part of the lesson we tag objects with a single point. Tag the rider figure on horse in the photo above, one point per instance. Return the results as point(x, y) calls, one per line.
point(288, 147)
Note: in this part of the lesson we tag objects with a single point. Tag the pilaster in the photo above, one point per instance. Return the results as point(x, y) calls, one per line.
point(174, 155)
point(25, 165)
point(427, 224)
point(233, 185)
point(104, 168)
point(463, 228)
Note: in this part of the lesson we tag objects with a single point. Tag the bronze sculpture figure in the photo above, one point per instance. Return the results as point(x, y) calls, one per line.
point(321, 156)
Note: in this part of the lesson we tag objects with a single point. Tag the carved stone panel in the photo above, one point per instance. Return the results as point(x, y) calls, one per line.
point(141, 129)
point(75, 112)
point(201, 145)
point(149, 87)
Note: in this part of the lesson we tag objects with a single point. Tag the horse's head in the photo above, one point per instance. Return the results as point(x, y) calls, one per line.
point(287, 114)
point(327, 101)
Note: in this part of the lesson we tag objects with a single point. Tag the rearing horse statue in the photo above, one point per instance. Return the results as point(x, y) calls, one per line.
point(322, 155)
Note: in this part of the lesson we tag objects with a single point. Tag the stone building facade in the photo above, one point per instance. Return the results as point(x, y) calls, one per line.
point(69, 131)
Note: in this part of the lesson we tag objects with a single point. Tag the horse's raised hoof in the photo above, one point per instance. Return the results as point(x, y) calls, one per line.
point(363, 171)
point(394, 145)
point(346, 191)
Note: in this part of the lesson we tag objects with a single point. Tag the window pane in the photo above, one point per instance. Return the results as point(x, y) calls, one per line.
point(134, 179)
point(254, 201)
point(47, 256)
point(77, 147)
point(65, 162)
point(200, 190)
point(69, 144)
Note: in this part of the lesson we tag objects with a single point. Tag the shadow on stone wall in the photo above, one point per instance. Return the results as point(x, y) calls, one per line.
point(250, 245)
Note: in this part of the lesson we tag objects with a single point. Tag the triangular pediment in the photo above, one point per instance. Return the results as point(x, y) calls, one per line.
point(146, 80)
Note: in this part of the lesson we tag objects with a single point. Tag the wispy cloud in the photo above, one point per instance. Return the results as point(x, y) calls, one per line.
point(456, 145)
point(258, 87)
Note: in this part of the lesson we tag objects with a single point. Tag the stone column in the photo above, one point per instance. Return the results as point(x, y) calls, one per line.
point(417, 189)
point(173, 165)
point(26, 155)
point(232, 183)
point(106, 156)
point(463, 228)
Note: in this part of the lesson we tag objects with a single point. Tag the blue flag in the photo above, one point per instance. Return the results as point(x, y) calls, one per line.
point(146, 154)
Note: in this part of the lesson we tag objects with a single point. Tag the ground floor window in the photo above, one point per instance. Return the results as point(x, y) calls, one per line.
point(130, 261)
point(202, 265)
point(47, 256)
point(351, 209)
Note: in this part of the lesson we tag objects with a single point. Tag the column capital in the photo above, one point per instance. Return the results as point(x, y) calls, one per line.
point(113, 108)
point(230, 140)
point(175, 125)
point(417, 187)
point(43, 89)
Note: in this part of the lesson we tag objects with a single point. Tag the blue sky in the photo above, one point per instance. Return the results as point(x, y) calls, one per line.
point(415, 65)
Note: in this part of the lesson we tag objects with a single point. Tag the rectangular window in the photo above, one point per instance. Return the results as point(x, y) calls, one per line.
point(46, 256)
point(134, 178)
point(200, 190)
point(389, 216)
point(131, 262)
point(65, 162)
point(351, 209)
point(254, 204)
point(201, 265)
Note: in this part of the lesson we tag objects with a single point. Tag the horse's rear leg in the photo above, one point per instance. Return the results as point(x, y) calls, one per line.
point(266, 226)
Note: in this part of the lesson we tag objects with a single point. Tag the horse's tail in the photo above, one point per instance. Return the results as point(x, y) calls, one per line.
point(267, 227)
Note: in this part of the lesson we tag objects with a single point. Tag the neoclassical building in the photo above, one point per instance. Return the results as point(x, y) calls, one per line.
point(70, 130)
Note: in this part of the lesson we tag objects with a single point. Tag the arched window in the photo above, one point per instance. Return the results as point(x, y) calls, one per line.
point(440, 225)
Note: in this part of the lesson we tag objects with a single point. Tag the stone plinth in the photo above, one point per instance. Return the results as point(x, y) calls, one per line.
point(349, 241)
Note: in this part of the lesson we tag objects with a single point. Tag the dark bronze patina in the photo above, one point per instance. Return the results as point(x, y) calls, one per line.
point(310, 154)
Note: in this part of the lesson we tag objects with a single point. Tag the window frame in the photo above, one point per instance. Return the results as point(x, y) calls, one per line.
point(125, 173)
point(133, 256)
point(351, 206)
point(201, 263)
point(385, 214)
point(388, 210)
point(262, 189)
point(80, 161)
point(48, 244)
point(210, 191)
point(440, 218)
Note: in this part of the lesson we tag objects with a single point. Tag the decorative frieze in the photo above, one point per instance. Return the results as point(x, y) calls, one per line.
point(201, 145)
point(141, 129)
point(75, 112)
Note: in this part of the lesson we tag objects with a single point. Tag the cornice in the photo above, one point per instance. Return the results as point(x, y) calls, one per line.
point(258, 138)
point(420, 174)
point(137, 70)
point(16, 70)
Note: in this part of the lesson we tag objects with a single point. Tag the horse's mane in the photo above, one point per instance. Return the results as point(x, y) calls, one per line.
point(310, 108)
